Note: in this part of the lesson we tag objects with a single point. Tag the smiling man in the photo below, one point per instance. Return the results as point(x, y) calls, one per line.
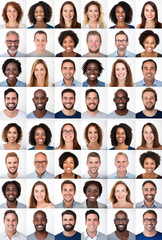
point(92, 222)
point(68, 101)
point(40, 100)
point(40, 222)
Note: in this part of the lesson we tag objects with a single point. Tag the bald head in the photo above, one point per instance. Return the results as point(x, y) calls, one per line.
point(40, 99)
point(121, 213)
point(121, 99)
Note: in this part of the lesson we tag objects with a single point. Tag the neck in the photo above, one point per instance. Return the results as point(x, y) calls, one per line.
point(10, 175)
point(40, 113)
point(121, 53)
point(68, 204)
point(40, 174)
point(40, 147)
point(93, 83)
point(68, 145)
point(41, 235)
point(91, 234)
point(121, 24)
point(148, 204)
point(11, 114)
point(92, 24)
point(121, 146)
point(93, 175)
point(149, 145)
point(69, 82)
point(121, 112)
point(121, 83)
point(69, 234)
point(12, 83)
point(150, 113)
point(121, 234)
point(121, 174)
point(92, 113)
point(94, 54)
point(12, 204)
point(12, 54)
point(40, 82)
point(41, 204)
point(149, 234)
point(10, 234)
point(91, 204)
point(68, 112)
point(149, 83)
point(68, 24)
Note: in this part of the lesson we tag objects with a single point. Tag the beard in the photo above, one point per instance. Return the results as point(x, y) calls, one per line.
point(92, 109)
point(68, 229)
point(68, 108)
point(11, 108)
point(121, 230)
point(149, 199)
point(97, 50)
point(149, 109)
point(12, 172)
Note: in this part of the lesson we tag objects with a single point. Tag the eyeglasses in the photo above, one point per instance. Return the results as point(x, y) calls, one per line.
point(10, 41)
point(40, 162)
point(121, 41)
point(66, 132)
point(117, 220)
point(117, 99)
point(152, 220)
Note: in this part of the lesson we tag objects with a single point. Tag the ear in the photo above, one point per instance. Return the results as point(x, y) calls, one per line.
point(33, 100)
point(47, 99)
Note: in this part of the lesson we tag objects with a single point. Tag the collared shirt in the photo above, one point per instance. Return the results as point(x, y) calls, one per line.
point(100, 83)
point(18, 54)
point(154, 205)
point(74, 205)
point(17, 236)
point(142, 83)
point(61, 83)
point(19, 205)
point(18, 84)
point(127, 54)
point(115, 175)
point(87, 237)
point(45, 175)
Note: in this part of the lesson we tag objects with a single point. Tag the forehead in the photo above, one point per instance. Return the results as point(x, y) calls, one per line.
point(11, 94)
point(148, 93)
point(148, 6)
point(149, 215)
point(121, 93)
point(40, 156)
point(149, 64)
point(12, 158)
point(12, 129)
point(94, 38)
point(10, 216)
point(11, 185)
point(150, 38)
point(148, 185)
point(68, 94)
point(68, 64)
point(67, 127)
point(92, 216)
point(11, 65)
point(93, 159)
point(68, 185)
point(39, 129)
point(39, 36)
point(121, 215)
point(120, 65)
point(39, 215)
point(12, 36)
point(121, 157)
point(40, 93)
point(92, 94)
point(68, 6)
point(121, 36)
point(39, 8)
point(92, 64)
point(68, 216)
point(92, 128)
point(120, 186)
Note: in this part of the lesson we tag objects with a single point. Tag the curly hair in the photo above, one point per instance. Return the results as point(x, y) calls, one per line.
point(128, 132)
point(149, 154)
point(7, 128)
point(146, 34)
point(33, 201)
point(68, 33)
point(156, 137)
point(48, 134)
point(143, 19)
point(47, 12)
point(17, 7)
point(99, 131)
point(112, 197)
point(129, 78)
point(66, 155)
point(98, 184)
point(11, 60)
point(100, 20)
point(17, 185)
point(76, 145)
point(85, 65)
point(128, 12)
point(32, 81)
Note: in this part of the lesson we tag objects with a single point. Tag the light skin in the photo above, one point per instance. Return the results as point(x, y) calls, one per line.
point(121, 44)
point(121, 74)
point(149, 72)
point(68, 193)
point(93, 15)
point(121, 164)
point(40, 74)
point(149, 102)
point(11, 72)
point(40, 100)
point(149, 193)
point(121, 221)
point(121, 194)
point(40, 221)
point(149, 223)
point(149, 14)
point(12, 136)
point(93, 139)
point(11, 102)
point(10, 222)
point(92, 223)
point(12, 47)
point(68, 72)
point(40, 164)
point(92, 194)
point(92, 73)
point(68, 14)
point(40, 42)
point(92, 103)
point(39, 195)
point(68, 136)
point(12, 164)
point(93, 164)
point(121, 99)
point(68, 223)
point(94, 43)
point(68, 101)
point(12, 17)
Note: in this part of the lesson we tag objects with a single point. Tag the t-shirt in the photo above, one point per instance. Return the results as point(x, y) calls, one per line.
point(35, 54)
point(20, 114)
point(141, 236)
point(61, 236)
point(112, 236)
point(60, 114)
point(101, 55)
point(98, 115)
point(33, 237)
point(129, 114)
point(47, 115)
point(142, 115)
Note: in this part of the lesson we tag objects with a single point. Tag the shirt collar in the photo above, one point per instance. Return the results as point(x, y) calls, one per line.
point(86, 235)
point(73, 83)
point(153, 85)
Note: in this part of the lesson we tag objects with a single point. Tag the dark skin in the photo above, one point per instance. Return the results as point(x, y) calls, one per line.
point(11, 73)
point(92, 73)
point(121, 221)
point(40, 219)
point(11, 195)
point(121, 99)
point(40, 99)
point(92, 193)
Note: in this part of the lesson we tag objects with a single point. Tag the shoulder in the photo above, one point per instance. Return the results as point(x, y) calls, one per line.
point(140, 115)
point(139, 176)
point(85, 83)
point(78, 55)
point(32, 26)
point(31, 115)
point(138, 26)
point(159, 55)
point(131, 148)
point(49, 148)
point(140, 148)
point(131, 26)
point(20, 84)
point(101, 84)
point(59, 54)
point(57, 26)
point(112, 27)
point(101, 205)
point(49, 26)
point(102, 236)
point(138, 55)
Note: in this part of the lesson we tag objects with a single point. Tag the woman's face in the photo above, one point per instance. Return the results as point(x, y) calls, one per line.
point(92, 71)
point(93, 13)
point(68, 133)
point(120, 192)
point(68, 44)
point(120, 14)
point(11, 71)
point(39, 193)
point(148, 134)
point(120, 135)
point(92, 193)
point(149, 165)
point(68, 12)
point(149, 44)
point(92, 134)
point(40, 136)
point(149, 12)
point(68, 165)
point(120, 71)
point(40, 72)
point(39, 14)
point(12, 135)
point(11, 13)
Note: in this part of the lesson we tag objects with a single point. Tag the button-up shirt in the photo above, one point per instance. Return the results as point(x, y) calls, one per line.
point(154, 205)
point(45, 175)
point(142, 83)
point(87, 237)
point(17, 236)
point(61, 83)
point(115, 175)
point(127, 54)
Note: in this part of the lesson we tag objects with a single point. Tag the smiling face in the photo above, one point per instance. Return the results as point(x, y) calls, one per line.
point(39, 14)
point(40, 163)
point(40, 41)
point(149, 44)
point(68, 71)
point(39, 193)
point(149, 100)
point(12, 43)
point(40, 99)
point(40, 136)
point(68, 133)
point(148, 135)
point(149, 165)
point(149, 71)
point(92, 101)
point(120, 72)
point(68, 44)
point(121, 221)
point(12, 135)
point(92, 71)
point(93, 13)
point(121, 42)
point(40, 72)
point(149, 192)
point(149, 12)
point(92, 192)
point(120, 14)
point(68, 192)
point(40, 221)
point(68, 12)
point(120, 135)
point(68, 222)
point(12, 164)
point(68, 100)
point(68, 165)
point(11, 13)
point(120, 192)
point(10, 222)
point(93, 164)
point(121, 163)
point(149, 222)
point(92, 134)
point(94, 43)
point(11, 192)
point(11, 71)
point(11, 101)
point(92, 223)
point(121, 99)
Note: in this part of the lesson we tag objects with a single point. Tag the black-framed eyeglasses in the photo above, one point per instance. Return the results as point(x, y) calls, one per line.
point(117, 99)
point(10, 41)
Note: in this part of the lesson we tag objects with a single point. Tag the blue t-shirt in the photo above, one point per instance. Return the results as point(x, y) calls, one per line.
point(61, 236)
point(141, 236)
point(60, 114)
point(130, 26)
point(142, 115)
point(48, 26)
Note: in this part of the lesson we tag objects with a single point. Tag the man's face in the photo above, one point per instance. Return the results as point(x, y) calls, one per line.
point(149, 100)
point(121, 99)
point(94, 43)
point(40, 41)
point(40, 221)
point(40, 99)
point(10, 223)
point(68, 100)
point(121, 221)
point(149, 192)
point(121, 163)
point(92, 223)
point(40, 163)
point(11, 192)
point(93, 164)
point(149, 222)
point(11, 101)
point(68, 192)
point(68, 71)
point(121, 42)
point(68, 222)
point(149, 71)
point(92, 101)
point(12, 164)
point(12, 43)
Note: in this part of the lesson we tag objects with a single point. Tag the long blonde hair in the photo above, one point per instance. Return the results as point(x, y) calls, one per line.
point(32, 82)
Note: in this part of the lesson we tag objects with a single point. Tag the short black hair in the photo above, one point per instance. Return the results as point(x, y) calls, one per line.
point(128, 12)
point(66, 155)
point(122, 33)
point(69, 212)
point(47, 133)
point(10, 90)
point(92, 90)
point(92, 212)
point(47, 12)
point(68, 90)
point(11, 60)
point(68, 60)
point(84, 67)
point(146, 34)
point(150, 60)
point(149, 154)
point(68, 182)
point(151, 182)
point(98, 184)
point(151, 212)
point(69, 33)
point(17, 185)
point(128, 132)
